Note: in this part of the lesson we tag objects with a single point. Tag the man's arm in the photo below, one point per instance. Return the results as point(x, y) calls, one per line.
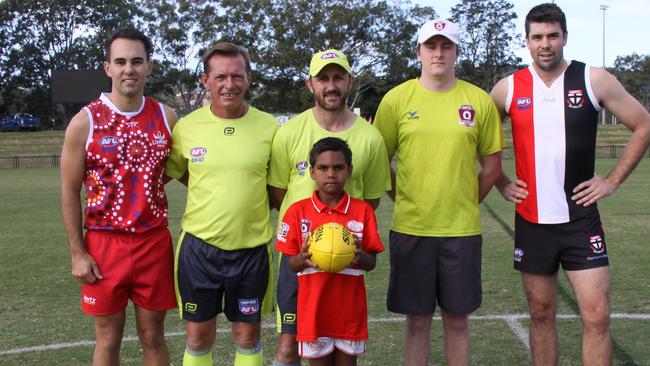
point(84, 267)
point(514, 191)
point(635, 117)
point(276, 196)
point(489, 174)
point(171, 115)
point(373, 202)
point(391, 193)
point(499, 94)
point(172, 118)
point(510, 190)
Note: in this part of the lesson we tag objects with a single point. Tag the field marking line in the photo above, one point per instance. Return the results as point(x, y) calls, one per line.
point(519, 330)
point(511, 319)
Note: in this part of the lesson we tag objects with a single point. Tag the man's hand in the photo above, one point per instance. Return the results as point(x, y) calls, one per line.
point(514, 191)
point(85, 269)
point(589, 192)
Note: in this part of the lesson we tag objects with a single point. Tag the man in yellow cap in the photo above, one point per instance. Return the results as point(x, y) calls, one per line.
point(330, 82)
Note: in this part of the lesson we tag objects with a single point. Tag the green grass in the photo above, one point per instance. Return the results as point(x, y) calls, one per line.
point(50, 142)
point(39, 300)
point(31, 143)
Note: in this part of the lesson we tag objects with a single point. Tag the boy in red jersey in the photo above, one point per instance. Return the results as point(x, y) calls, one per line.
point(333, 321)
point(116, 147)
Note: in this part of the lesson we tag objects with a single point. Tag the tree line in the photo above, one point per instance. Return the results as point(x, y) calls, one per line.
point(378, 36)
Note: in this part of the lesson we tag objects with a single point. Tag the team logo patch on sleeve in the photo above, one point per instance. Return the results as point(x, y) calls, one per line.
point(467, 114)
point(574, 98)
point(248, 306)
point(283, 231)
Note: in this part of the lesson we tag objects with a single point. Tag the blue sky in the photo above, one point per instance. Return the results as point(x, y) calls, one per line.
point(627, 27)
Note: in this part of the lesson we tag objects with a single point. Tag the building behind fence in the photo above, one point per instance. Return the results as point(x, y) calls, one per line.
point(53, 161)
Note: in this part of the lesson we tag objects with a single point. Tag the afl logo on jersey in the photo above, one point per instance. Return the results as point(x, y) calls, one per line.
point(302, 166)
point(574, 98)
point(109, 141)
point(523, 103)
point(467, 114)
point(198, 154)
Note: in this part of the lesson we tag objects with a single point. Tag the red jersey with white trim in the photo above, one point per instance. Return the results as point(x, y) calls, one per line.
point(330, 304)
point(125, 159)
point(554, 137)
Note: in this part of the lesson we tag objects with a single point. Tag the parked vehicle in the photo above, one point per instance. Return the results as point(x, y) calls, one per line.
point(20, 122)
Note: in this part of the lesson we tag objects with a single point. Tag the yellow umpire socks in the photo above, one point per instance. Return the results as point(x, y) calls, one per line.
point(249, 357)
point(197, 358)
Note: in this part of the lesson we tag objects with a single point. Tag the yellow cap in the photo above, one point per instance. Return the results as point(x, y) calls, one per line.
point(324, 58)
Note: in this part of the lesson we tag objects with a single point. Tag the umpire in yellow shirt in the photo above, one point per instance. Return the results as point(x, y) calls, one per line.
point(222, 152)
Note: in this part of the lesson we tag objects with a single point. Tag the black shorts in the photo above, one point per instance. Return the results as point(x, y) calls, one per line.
point(577, 245)
point(206, 275)
point(429, 270)
point(287, 298)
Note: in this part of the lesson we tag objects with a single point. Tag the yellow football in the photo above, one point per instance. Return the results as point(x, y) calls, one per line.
point(332, 247)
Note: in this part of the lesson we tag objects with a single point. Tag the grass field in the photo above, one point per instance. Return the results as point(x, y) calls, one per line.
point(41, 324)
point(50, 142)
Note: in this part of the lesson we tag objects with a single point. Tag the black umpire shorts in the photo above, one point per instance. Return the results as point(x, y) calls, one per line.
point(287, 298)
point(207, 276)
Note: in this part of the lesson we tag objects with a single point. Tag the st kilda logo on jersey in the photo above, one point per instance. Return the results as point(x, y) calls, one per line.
point(575, 98)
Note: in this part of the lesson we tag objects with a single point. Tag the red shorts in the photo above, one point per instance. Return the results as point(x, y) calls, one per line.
point(139, 267)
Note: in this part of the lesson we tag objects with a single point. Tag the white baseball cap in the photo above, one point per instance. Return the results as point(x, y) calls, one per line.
point(440, 27)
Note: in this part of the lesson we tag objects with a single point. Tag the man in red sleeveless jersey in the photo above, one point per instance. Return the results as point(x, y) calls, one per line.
point(116, 147)
point(554, 106)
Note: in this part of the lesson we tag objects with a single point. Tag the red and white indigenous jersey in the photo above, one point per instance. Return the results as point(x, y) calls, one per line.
point(330, 304)
point(554, 137)
point(125, 159)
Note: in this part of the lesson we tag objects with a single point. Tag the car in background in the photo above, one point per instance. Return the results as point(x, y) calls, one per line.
point(20, 122)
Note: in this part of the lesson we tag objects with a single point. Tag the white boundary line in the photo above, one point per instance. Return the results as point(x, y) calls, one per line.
point(513, 321)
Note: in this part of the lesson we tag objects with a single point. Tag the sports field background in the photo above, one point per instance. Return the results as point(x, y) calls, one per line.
point(41, 324)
